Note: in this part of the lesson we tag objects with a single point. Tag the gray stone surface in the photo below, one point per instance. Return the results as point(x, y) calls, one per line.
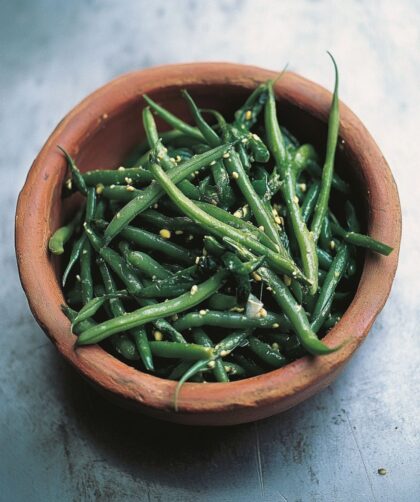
point(58, 439)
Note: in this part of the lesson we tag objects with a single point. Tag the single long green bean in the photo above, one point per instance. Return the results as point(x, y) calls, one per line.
point(174, 350)
point(321, 207)
point(233, 320)
point(326, 295)
point(304, 238)
point(295, 314)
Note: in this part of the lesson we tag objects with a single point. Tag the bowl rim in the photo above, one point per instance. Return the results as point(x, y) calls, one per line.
point(276, 390)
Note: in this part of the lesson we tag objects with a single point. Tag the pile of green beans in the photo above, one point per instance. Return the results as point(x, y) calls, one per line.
point(225, 250)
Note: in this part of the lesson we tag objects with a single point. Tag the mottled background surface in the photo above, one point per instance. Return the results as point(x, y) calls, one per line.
point(58, 439)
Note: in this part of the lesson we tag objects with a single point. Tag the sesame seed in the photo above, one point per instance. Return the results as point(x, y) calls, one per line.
point(256, 277)
point(121, 168)
point(302, 187)
point(213, 162)
point(197, 260)
point(128, 180)
point(261, 227)
point(78, 277)
point(382, 471)
point(238, 213)
point(244, 140)
point(165, 233)
point(256, 137)
point(194, 289)
point(287, 280)
point(157, 335)
point(203, 312)
point(69, 183)
point(111, 186)
point(155, 206)
point(336, 274)
point(277, 219)
point(211, 364)
point(332, 244)
point(296, 199)
point(179, 232)
point(172, 160)
point(275, 346)
point(99, 188)
point(118, 215)
point(129, 188)
point(226, 155)
point(276, 325)
point(224, 353)
point(248, 115)
point(262, 313)
point(235, 175)
point(190, 237)
point(205, 252)
point(178, 158)
point(174, 317)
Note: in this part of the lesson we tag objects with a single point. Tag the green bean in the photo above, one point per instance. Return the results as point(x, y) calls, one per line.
point(266, 354)
point(174, 350)
point(178, 223)
point(295, 314)
point(231, 320)
point(352, 220)
point(166, 289)
point(325, 235)
point(308, 204)
point(146, 264)
point(219, 371)
point(360, 240)
point(220, 301)
point(337, 183)
point(324, 258)
point(221, 229)
point(71, 316)
point(120, 176)
point(303, 155)
point(150, 313)
point(231, 342)
point(77, 177)
point(62, 235)
point(154, 192)
point(233, 369)
point(148, 240)
point(173, 120)
point(326, 295)
point(321, 207)
point(304, 238)
point(247, 115)
point(249, 365)
point(213, 246)
point(332, 320)
point(197, 367)
point(74, 257)
point(86, 280)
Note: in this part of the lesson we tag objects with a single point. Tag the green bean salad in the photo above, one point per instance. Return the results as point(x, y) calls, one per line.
point(224, 250)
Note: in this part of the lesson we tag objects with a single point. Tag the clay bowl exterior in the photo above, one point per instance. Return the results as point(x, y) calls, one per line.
point(100, 132)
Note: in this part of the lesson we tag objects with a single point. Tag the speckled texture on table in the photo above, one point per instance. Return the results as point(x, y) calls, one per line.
point(58, 439)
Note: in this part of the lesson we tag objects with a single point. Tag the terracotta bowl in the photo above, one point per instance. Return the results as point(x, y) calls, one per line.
point(100, 132)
